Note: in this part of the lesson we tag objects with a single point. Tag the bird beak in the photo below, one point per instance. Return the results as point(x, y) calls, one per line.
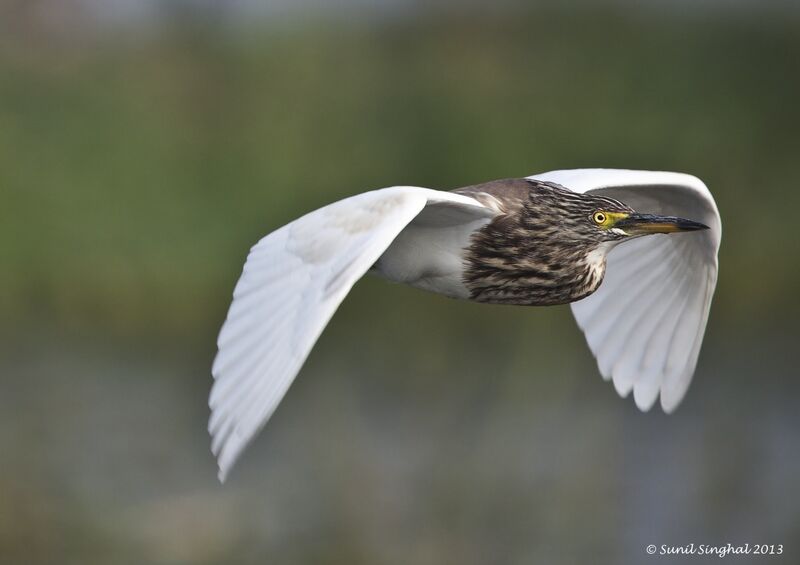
point(644, 224)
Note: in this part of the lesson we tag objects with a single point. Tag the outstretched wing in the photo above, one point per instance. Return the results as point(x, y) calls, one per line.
point(646, 322)
point(292, 283)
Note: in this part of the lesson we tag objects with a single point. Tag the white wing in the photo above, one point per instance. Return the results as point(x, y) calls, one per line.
point(292, 283)
point(646, 322)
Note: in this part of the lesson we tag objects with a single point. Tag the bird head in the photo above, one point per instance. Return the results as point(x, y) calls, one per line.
point(590, 222)
point(612, 220)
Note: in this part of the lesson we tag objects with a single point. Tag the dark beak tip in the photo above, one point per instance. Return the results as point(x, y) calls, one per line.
point(694, 226)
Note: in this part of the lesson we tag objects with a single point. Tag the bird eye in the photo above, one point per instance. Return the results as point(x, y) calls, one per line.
point(599, 218)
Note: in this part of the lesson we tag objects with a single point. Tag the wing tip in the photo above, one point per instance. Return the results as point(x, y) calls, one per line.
point(644, 398)
point(667, 406)
point(622, 386)
point(670, 401)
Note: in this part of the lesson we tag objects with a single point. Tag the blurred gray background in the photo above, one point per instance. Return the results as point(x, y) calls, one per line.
point(145, 145)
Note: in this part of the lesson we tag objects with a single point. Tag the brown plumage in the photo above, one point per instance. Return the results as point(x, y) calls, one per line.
point(539, 250)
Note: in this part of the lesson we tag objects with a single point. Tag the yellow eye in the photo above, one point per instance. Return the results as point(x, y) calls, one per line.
point(599, 218)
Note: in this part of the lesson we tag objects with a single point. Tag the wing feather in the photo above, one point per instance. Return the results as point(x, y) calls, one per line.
point(616, 328)
point(292, 283)
point(625, 270)
point(653, 280)
point(676, 385)
point(630, 368)
point(645, 323)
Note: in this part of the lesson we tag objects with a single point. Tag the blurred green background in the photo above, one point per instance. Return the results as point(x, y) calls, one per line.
point(142, 151)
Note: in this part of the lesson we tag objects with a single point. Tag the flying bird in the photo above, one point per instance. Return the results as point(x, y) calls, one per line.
point(606, 241)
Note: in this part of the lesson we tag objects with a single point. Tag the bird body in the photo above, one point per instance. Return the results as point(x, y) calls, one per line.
point(560, 237)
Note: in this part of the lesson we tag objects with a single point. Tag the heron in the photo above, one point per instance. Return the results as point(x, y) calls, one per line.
point(633, 252)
